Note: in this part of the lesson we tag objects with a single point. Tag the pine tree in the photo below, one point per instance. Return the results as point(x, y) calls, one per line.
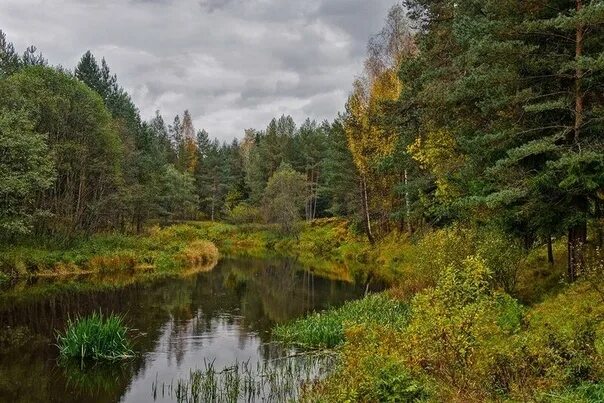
point(10, 61)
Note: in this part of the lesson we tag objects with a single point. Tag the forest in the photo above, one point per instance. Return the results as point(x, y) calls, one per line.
point(465, 173)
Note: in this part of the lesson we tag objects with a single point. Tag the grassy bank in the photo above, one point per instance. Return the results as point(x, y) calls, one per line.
point(327, 329)
point(462, 341)
point(329, 247)
point(469, 318)
point(159, 250)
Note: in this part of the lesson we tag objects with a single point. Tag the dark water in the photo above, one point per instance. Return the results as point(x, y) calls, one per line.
point(223, 316)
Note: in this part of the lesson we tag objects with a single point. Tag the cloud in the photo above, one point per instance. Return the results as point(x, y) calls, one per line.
point(233, 63)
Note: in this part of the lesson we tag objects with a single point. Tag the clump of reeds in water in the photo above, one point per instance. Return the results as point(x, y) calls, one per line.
point(96, 337)
point(274, 381)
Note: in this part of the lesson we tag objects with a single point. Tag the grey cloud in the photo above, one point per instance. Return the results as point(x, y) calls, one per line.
point(233, 63)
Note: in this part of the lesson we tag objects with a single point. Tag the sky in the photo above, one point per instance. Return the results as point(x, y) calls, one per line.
point(234, 64)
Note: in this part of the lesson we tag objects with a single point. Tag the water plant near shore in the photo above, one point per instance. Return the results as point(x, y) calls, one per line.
point(96, 337)
point(327, 329)
point(278, 380)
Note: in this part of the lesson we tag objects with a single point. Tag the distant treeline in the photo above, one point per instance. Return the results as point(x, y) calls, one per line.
point(77, 158)
point(487, 112)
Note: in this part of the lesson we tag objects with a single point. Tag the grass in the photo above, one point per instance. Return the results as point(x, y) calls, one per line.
point(161, 250)
point(583, 393)
point(327, 329)
point(272, 381)
point(96, 337)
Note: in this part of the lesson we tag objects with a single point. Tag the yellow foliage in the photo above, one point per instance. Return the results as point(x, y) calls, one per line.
point(437, 153)
point(190, 155)
point(366, 139)
point(200, 252)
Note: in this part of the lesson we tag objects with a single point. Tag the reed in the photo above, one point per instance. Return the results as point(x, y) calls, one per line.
point(271, 381)
point(96, 337)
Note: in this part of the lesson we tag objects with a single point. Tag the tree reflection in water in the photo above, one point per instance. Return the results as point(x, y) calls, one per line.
point(223, 316)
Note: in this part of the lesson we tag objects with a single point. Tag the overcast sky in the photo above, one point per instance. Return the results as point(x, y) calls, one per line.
point(233, 63)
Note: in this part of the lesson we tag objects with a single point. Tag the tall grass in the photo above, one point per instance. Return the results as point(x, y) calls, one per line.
point(281, 380)
point(96, 337)
point(163, 250)
point(327, 329)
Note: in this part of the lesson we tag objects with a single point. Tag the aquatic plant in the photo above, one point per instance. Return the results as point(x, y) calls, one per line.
point(327, 329)
point(96, 337)
point(268, 381)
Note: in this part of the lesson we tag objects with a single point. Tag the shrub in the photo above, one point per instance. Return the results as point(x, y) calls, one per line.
point(502, 255)
point(199, 253)
point(424, 261)
point(245, 214)
point(453, 325)
point(95, 337)
point(369, 372)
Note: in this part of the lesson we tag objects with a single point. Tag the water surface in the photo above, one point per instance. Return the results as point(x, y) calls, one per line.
point(220, 317)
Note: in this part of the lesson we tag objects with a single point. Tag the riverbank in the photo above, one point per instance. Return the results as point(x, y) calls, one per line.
point(167, 250)
point(469, 314)
point(478, 320)
point(462, 342)
point(328, 247)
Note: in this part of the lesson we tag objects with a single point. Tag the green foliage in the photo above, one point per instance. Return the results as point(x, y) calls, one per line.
point(243, 213)
point(26, 170)
point(177, 196)
point(82, 142)
point(326, 329)
point(96, 337)
point(584, 393)
point(375, 379)
point(453, 324)
point(284, 197)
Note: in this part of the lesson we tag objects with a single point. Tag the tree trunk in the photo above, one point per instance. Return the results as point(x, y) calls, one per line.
point(599, 224)
point(550, 250)
point(579, 97)
point(366, 218)
point(139, 223)
point(407, 204)
point(316, 196)
point(577, 237)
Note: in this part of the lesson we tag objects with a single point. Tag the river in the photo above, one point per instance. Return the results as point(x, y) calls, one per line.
point(218, 319)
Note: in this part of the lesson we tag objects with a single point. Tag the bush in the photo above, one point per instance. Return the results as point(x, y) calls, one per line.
point(453, 326)
point(245, 214)
point(200, 253)
point(96, 337)
point(369, 372)
point(502, 255)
